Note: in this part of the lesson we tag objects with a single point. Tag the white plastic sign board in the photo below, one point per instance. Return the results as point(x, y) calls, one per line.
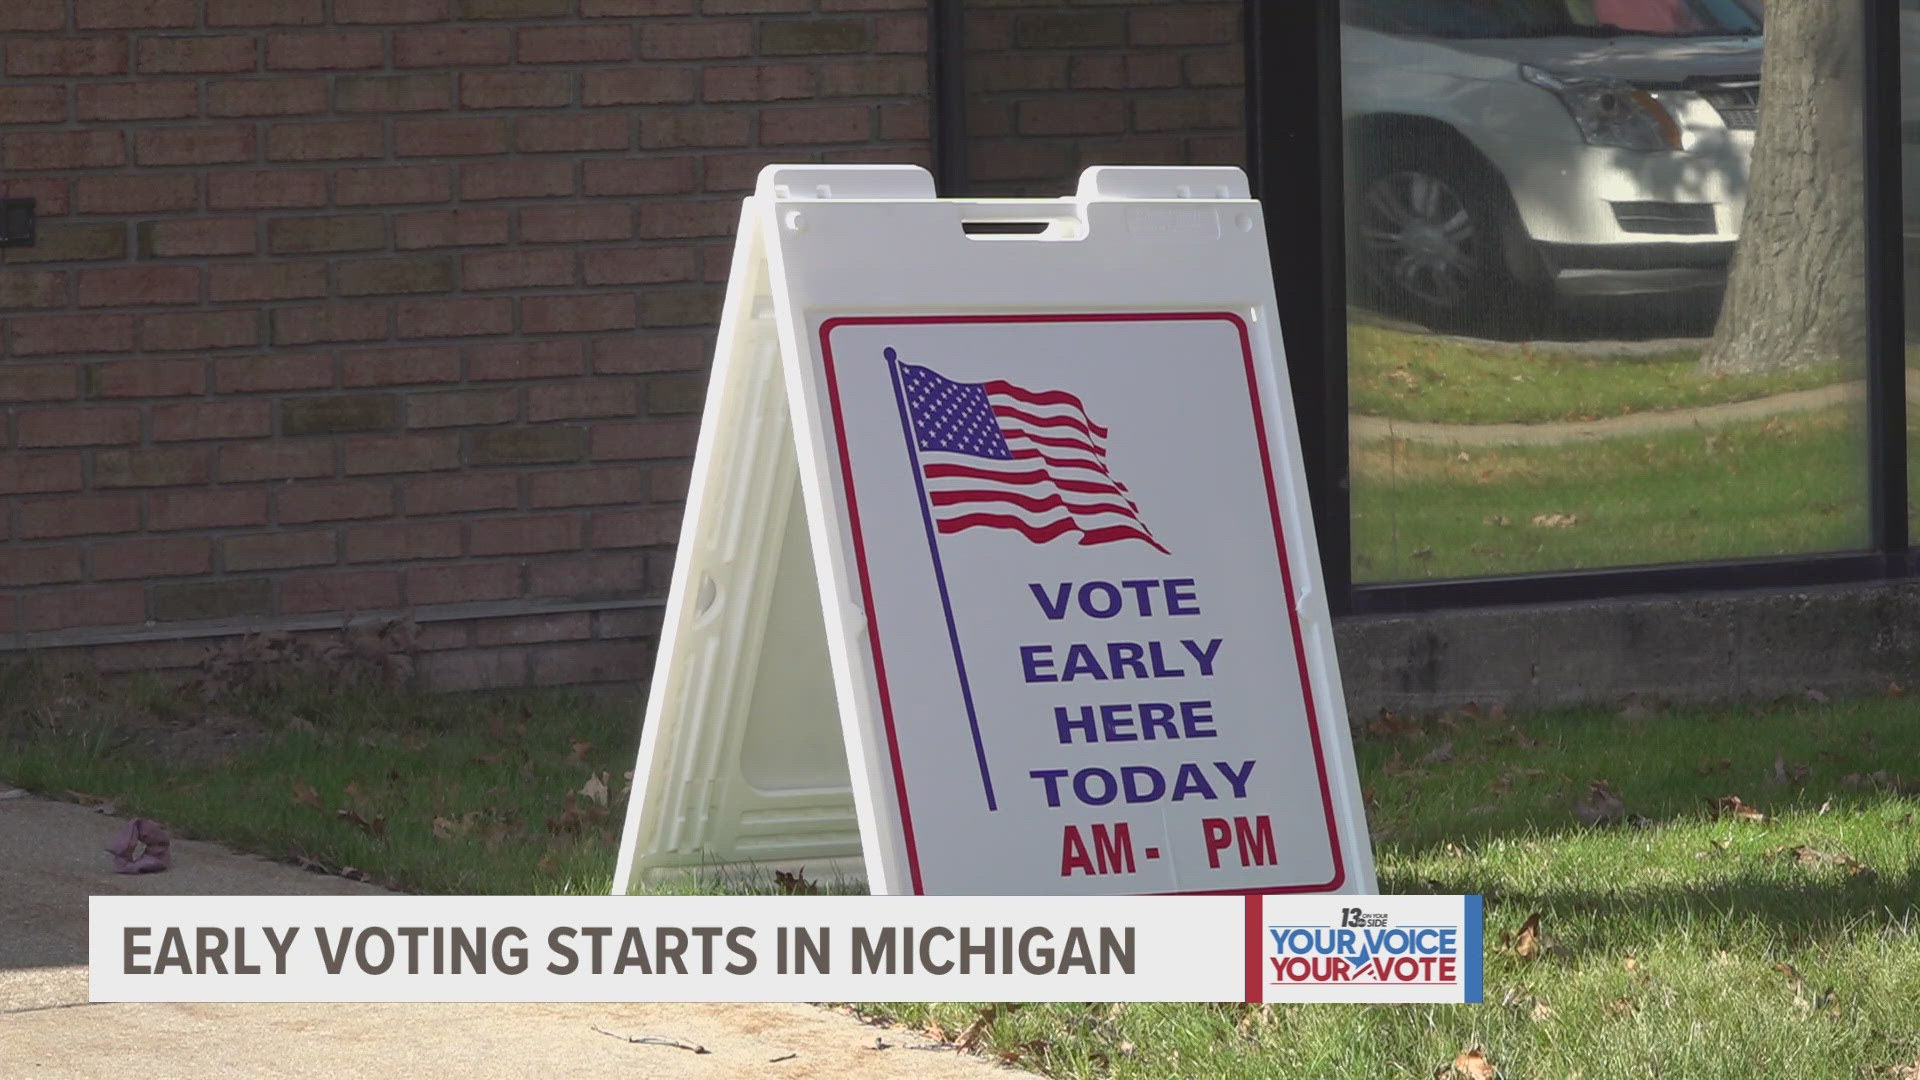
point(998, 574)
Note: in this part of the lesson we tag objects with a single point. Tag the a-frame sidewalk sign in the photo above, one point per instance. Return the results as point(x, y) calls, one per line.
point(998, 574)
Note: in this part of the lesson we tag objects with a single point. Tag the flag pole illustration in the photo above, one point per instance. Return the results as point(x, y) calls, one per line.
point(993, 455)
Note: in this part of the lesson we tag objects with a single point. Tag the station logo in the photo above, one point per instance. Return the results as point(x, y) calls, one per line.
point(1375, 942)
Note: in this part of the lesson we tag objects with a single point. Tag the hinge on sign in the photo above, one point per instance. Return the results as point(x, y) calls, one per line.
point(16, 222)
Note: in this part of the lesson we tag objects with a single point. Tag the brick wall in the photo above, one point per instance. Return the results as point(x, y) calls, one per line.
point(1056, 87)
point(371, 306)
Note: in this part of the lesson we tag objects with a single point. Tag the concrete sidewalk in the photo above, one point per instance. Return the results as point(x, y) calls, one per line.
point(51, 860)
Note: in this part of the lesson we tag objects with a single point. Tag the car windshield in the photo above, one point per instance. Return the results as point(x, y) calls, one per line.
point(1555, 18)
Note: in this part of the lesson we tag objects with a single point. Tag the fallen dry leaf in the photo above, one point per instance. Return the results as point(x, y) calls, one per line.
point(304, 794)
point(1438, 755)
point(1472, 1064)
point(596, 789)
point(1527, 944)
point(581, 749)
point(1732, 807)
point(1601, 806)
point(374, 826)
point(1555, 521)
point(795, 882)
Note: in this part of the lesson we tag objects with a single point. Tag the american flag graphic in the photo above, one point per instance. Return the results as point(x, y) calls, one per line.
point(998, 456)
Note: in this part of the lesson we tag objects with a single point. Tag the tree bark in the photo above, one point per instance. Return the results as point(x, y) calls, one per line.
point(1796, 294)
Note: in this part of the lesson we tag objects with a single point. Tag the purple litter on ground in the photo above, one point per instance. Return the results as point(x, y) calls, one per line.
point(156, 852)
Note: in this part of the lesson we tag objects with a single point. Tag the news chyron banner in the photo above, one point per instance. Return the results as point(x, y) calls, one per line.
point(786, 948)
point(1080, 601)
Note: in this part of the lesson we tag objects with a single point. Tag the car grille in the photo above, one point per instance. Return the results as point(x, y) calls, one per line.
point(1737, 103)
point(1666, 219)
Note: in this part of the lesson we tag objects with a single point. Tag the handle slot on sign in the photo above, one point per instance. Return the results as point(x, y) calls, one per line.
point(1021, 221)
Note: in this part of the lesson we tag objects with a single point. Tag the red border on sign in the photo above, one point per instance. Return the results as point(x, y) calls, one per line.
point(1273, 508)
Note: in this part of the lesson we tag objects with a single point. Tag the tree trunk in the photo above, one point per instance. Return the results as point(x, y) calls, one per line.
point(1797, 293)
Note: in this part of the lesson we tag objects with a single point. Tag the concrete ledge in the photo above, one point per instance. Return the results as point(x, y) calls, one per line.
point(1707, 647)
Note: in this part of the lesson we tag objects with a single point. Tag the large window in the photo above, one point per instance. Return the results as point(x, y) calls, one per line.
point(1607, 276)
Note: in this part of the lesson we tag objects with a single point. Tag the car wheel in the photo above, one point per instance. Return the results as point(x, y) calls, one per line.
point(1430, 239)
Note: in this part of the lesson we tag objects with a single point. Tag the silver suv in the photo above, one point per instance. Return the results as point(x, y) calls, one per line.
point(1503, 150)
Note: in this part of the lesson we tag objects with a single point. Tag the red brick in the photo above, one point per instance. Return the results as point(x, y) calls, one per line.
point(67, 56)
point(567, 626)
point(620, 9)
point(449, 137)
point(758, 82)
point(516, 180)
point(451, 47)
point(676, 219)
point(27, 151)
point(702, 40)
point(33, 474)
point(33, 15)
point(370, 455)
point(32, 104)
point(190, 55)
point(540, 444)
point(335, 141)
point(598, 662)
point(344, 591)
point(461, 494)
point(626, 354)
point(282, 189)
point(454, 318)
point(575, 224)
point(167, 556)
point(588, 576)
point(518, 270)
point(266, 12)
point(205, 236)
point(525, 360)
point(701, 127)
point(644, 439)
point(900, 34)
point(451, 228)
point(135, 194)
point(403, 542)
point(516, 89)
point(1186, 24)
point(305, 235)
point(39, 382)
point(680, 307)
point(393, 93)
point(634, 528)
point(134, 14)
point(210, 144)
point(1227, 68)
point(639, 265)
point(523, 536)
point(329, 322)
point(267, 281)
point(213, 509)
point(645, 85)
point(574, 400)
point(400, 367)
point(147, 378)
point(79, 515)
point(202, 330)
point(147, 100)
point(61, 609)
point(904, 123)
point(276, 460)
point(179, 466)
point(267, 97)
point(338, 51)
point(131, 286)
point(389, 11)
point(49, 334)
point(824, 124)
point(887, 77)
point(588, 487)
point(473, 669)
point(640, 176)
point(572, 45)
point(299, 504)
point(1073, 115)
point(561, 133)
point(389, 186)
point(462, 583)
point(465, 408)
point(278, 551)
point(212, 420)
point(256, 374)
point(577, 314)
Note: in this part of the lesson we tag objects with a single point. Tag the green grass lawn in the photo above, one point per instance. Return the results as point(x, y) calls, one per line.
point(1409, 376)
point(1788, 485)
point(1680, 942)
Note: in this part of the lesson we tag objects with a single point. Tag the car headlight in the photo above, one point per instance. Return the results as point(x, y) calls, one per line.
point(1610, 112)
